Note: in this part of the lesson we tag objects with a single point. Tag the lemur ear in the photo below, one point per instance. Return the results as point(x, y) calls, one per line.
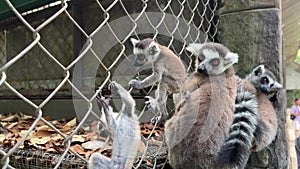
point(194, 48)
point(259, 70)
point(134, 41)
point(231, 58)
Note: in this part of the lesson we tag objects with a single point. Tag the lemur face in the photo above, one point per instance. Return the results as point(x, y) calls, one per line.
point(145, 51)
point(212, 58)
point(265, 80)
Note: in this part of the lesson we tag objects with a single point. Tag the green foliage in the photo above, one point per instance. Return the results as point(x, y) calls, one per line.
point(291, 95)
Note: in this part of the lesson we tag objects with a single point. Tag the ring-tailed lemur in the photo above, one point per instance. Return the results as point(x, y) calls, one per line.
point(267, 88)
point(255, 120)
point(168, 71)
point(201, 123)
point(124, 130)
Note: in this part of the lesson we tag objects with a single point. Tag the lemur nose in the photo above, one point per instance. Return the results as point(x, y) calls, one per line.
point(265, 89)
point(202, 69)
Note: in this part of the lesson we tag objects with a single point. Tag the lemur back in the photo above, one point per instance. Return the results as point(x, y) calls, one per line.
point(202, 121)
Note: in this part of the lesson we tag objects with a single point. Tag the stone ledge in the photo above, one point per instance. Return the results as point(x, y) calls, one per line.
point(244, 5)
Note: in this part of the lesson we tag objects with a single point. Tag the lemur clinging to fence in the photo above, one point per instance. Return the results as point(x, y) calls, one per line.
point(168, 71)
point(124, 130)
point(206, 116)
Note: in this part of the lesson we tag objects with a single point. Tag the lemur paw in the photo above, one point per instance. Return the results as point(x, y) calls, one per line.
point(135, 83)
point(101, 99)
point(151, 103)
point(113, 86)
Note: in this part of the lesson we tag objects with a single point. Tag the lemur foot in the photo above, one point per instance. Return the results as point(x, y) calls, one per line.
point(135, 84)
point(151, 104)
point(102, 100)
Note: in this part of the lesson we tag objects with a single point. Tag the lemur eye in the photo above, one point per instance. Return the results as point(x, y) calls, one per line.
point(215, 62)
point(264, 80)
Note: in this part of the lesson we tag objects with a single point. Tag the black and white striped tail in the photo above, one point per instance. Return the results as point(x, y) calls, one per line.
point(235, 151)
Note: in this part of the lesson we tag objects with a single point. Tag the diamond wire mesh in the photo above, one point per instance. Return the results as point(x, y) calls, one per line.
point(53, 43)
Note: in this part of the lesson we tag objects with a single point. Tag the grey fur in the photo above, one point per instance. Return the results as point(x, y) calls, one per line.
point(201, 122)
point(124, 131)
point(262, 120)
point(168, 71)
point(268, 122)
point(258, 74)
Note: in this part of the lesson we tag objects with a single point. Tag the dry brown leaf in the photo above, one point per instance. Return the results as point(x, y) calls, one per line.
point(148, 163)
point(22, 133)
point(55, 122)
point(47, 118)
point(2, 137)
point(4, 123)
point(8, 142)
point(40, 123)
point(44, 127)
point(44, 133)
point(78, 138)
point(78, 149)
point(88, 154)
point(26, 117)
point(11, 125)
point(146, 132)
point(51, 150)
point(11, 118)
point(56, 137)
point(148, 126)
point(70, 125)
point(92, 136)
point(39, 141)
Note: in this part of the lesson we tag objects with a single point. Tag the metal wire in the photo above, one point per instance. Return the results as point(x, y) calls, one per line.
point(172, 23)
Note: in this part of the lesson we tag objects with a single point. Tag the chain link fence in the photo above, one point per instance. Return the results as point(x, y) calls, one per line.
point(73, 49)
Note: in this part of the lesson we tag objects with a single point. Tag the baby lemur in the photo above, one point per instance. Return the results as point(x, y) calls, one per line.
point(124, 131)
point(201, 122)
point(252, 130)
point(168, 71)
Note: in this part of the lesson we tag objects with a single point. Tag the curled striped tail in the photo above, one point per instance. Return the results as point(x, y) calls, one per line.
point(235, 151)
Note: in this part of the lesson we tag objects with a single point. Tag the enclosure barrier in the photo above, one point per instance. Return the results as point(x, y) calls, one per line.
point(66, 49)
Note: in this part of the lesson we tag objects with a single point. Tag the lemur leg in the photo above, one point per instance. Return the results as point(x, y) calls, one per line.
point(161, 96)
point(111, 122)
point(99, 161)
point(127, 100)
point(158, 105)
